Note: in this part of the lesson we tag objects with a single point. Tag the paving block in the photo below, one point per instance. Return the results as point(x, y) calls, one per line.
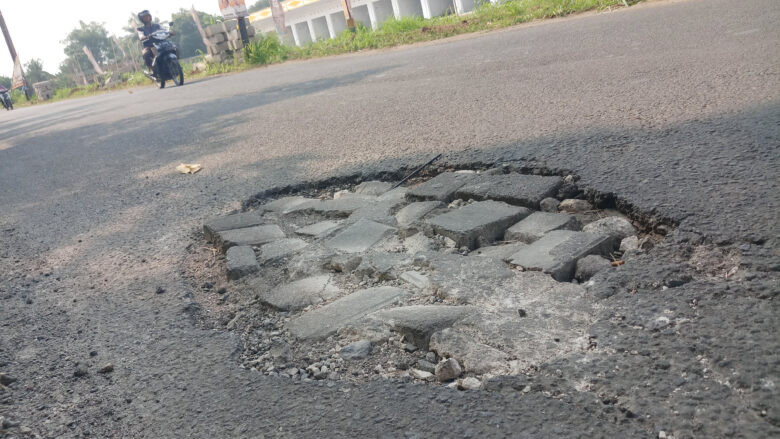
point(419, 322)
point(256, 235)
point(241, 261)
point(373, 187)
point(538, 224)
point(464, 279)
point(516, 189)
point(415, 278)
point(481, 221)
point(324, 322)
point(414, 212)
point(382, 266)
point(557, 252)
point(503, 252)
point(320, 229)
point(301, 293)
point(236, 221)
point(379, 211)
point(286, 204)
point(281, 248)
point(441, 187)
point(341, 207)
point(360, 236)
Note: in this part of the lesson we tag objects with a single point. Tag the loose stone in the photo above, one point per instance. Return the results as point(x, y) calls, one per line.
point(469, 383)
point(107, 368)
point(447, 370)
point(574, 206)
point(421, 374)
point(589, 266)
point(615, 227)
point(549, 205)
point(356, 351)
point(426, 366)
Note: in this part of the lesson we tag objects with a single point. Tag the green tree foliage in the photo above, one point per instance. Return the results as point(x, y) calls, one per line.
point(187, 37)
point(259, 5)
point(34, 72)
point(93, 35)
point(5, 81)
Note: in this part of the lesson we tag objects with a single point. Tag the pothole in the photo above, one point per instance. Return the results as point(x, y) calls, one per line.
point(452, 278)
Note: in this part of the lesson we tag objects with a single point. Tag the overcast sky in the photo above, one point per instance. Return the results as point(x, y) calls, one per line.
point(38, 26)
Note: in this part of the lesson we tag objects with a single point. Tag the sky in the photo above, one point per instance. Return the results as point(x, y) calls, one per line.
point(38, 27)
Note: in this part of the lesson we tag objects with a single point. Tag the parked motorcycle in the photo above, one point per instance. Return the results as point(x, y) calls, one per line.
point(166, 62)
point(5, 97)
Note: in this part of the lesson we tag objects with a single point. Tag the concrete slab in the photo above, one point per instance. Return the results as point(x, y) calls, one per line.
point(414, 212)
point(360, 236)
point(236, 221)
point(481, 221)
point(339, 208)
point(538, 224)
point(383, 266)
point(320, 229)
point(464, 279)
point(441, 187)
point(373, 187)
point(557, 252)
point(418, 322)
point(286, 204)
point(516, 189)
point(281, 248)
point(475, 357)
point(256, 235)
point(241, 261)
point(379, 211)
point(301, 293)
point(415, 278)
point(324, 322)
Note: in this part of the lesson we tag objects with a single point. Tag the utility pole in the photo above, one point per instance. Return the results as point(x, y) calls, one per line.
point(12, 51)
point(95, 65)
point(202, 33)
point(347, 5)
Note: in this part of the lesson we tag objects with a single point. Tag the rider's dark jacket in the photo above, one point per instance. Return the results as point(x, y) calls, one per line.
point(144, 31)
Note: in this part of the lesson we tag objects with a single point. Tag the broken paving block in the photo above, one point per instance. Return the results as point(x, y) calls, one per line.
point(320, 229)
point(557, 252)
point(415, 278)
point(373, 188)
point(235, 221)
point(286, 204)
point(324, 322)
point(441, 187)
point(256, 235)
point(465, 279)
point(538, 224)
point(340, 208)
point(474, 356)
point(382, 266)
point(414, 212)
point(503, 252)
point(516, 189)
point(281, 248)
point(418, 322)
point(482, 221)
point(301, 293)
point(241, 261)
point(360, 236)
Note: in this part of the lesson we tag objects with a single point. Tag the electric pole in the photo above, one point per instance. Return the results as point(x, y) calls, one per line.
point(12, 51)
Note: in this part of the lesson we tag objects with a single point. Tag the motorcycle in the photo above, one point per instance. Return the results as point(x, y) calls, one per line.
point(166, 62)
point(5, 97)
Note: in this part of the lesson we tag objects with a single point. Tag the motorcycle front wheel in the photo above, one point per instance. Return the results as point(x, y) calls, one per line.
point(177, 75)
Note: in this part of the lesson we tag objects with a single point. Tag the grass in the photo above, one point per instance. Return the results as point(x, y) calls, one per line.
point(268, 49)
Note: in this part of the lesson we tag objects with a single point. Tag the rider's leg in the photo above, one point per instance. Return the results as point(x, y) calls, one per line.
point(149, 58)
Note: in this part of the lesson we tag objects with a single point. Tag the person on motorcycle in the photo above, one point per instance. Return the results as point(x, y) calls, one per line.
point(144, 33)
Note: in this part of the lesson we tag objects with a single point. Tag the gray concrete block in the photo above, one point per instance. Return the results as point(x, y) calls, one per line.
point(320, 229)
point(301, 293)
point(339, 208)
point(383, 266)
point(281, 248)
point(538, 224)
point(324, 322)
point(516, 189)
point(415, 278)
point(286, 204)
point(376, 188)
point(482, 221)
point(557, 252)
point(360, 236)
point(256, 235)
point(241, 261)
point(503, 252)
point(418, 322)
point(236, 221)
point(414, 212)
point(464, 279)
point(441, 187)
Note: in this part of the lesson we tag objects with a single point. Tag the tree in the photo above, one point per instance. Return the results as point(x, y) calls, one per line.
point(93, 35)
point(259, 6)
point(34, 71)
point(5, 81)
point(187, 37)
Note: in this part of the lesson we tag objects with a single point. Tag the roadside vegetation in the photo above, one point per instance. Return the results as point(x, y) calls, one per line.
point(269, 49)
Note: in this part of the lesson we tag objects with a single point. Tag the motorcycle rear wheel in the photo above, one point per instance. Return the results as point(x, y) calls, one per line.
point(177, 75)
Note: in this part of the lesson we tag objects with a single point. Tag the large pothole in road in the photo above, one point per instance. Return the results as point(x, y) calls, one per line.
point(449, 279)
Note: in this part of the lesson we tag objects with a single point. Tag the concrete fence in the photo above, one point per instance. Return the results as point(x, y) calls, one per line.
point(225, 36)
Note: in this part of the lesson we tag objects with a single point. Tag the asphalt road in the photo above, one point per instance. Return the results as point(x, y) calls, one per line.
point(673, 107)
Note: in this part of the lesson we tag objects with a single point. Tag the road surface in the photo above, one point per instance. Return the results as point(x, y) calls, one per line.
point(673, 107)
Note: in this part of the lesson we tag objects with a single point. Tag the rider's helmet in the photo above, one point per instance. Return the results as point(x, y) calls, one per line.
point(142, 14)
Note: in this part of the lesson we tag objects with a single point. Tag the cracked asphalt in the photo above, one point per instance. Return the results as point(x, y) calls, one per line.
point(672, 108)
